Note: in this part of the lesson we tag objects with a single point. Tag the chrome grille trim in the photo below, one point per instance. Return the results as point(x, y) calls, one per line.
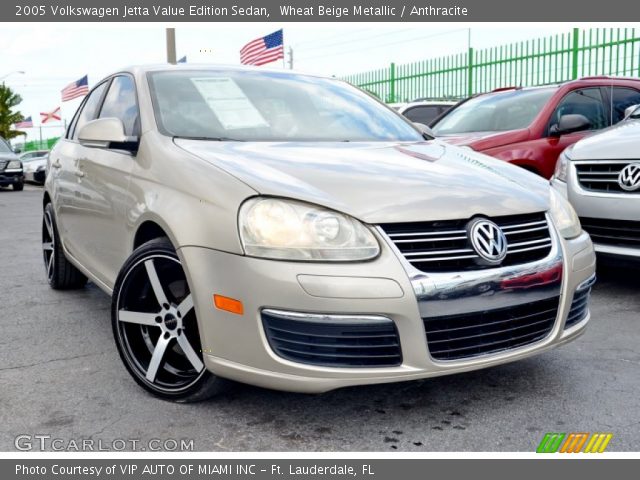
point(602, 175)
point(424, 234)
point(445, 246)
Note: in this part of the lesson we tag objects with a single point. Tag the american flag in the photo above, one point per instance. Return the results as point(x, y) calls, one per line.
point(76, 89)
point(263, 50)
point(26, 123)
point(52, 115)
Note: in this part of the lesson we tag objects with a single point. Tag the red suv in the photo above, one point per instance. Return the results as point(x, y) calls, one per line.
point(530, 127)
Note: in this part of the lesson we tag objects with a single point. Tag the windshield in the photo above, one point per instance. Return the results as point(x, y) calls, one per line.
point(4, 148)
point(495, 112)
point(267, 106)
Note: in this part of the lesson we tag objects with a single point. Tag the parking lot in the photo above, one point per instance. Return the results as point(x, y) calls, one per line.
point(60, 374)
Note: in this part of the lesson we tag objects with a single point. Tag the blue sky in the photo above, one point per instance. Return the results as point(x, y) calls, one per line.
point(53, 55)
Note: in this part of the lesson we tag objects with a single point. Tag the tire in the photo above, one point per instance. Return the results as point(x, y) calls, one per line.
point(18, 187)
point(155, 326)
point(61, 274)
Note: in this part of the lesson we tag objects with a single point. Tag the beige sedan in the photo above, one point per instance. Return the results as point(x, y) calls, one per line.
point(289, 231)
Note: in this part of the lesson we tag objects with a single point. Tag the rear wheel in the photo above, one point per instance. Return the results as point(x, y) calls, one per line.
point(61, 274)
point(155, 326)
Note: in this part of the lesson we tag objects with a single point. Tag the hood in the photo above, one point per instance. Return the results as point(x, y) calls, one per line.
point(8, 156)
point(380, 182)
point(485, 140)
point(33, 165)
point(619, 142)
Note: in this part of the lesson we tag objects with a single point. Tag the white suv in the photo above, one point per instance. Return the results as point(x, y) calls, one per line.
point(600, 175)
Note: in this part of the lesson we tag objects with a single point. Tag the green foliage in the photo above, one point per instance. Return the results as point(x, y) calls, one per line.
point(8, 115)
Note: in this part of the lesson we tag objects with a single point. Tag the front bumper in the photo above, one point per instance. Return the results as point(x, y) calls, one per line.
point(236, 346)
point(11, 177)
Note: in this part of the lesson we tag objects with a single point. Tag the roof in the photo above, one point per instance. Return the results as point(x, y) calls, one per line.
point(593, 79)
point(158, 67)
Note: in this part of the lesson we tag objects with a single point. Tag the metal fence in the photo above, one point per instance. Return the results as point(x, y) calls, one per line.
point(44, 144)
point(553, 59)
point(41, 137)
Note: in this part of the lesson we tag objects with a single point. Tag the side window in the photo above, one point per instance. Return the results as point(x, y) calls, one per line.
point(587, 102)
point(121, 103)
point(423, 114)
point(72, 126)
point(621, 99)
point(89, 109)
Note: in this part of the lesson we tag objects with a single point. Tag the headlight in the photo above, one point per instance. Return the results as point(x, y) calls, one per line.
point(14, 164)
point(561, 167)
point(564, 216)
point(291, 230)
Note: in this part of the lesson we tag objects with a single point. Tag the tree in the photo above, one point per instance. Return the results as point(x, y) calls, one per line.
point(8, 116)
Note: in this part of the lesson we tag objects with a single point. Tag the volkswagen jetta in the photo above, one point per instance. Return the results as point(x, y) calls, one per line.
point(289, 231)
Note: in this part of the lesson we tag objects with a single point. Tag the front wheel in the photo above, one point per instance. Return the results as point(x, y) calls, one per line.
point(155, 326)
point(18, 187)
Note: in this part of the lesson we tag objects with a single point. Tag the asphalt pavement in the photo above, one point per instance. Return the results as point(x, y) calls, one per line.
point(60, 375)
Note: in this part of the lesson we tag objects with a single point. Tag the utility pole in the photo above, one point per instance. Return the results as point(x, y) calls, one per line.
point(290, 61)
point(171, 45)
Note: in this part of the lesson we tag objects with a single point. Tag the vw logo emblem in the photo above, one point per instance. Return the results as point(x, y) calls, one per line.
point(629, 178)
point(488, 240)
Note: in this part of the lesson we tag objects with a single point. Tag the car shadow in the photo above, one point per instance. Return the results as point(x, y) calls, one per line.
point(619, 274)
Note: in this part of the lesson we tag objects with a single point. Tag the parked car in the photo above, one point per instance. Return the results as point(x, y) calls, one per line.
point(11, 173)
point(425, 111)
point(530, 127)
point(600, 176)
point(289, 231)
point(26, 156)
point(35, 166)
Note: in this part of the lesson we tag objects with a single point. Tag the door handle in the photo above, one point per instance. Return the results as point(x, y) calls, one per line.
point(79, 173)
point(56, 164)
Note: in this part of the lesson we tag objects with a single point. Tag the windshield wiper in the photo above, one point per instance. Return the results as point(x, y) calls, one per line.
point(212, 139)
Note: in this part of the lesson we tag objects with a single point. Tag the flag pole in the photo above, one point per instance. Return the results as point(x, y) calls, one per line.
point(283, 62)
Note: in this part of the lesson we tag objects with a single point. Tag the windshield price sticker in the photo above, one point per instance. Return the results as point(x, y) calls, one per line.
point(229, 103)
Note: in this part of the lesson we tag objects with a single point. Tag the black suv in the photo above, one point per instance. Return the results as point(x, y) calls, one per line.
point(11, 172)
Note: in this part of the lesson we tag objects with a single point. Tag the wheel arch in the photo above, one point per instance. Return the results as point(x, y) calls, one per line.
point(528, 166)
point(45, 199)
point(151, 228)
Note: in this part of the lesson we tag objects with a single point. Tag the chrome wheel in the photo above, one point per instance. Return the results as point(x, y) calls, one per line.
point(156, 325)
point(48, 244)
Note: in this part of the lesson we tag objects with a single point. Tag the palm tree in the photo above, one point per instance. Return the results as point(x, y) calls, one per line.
point(8, 116)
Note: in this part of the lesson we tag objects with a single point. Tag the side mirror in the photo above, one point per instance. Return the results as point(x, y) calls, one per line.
point(569, 124)
point(424, 130)
point(107, 133)
point(17, 150)
point(630, 111)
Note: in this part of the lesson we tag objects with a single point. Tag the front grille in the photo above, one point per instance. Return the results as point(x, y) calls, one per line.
point(455, 337)
point(3, 164)
point(620, 233)
point(601, 176)
point(444, 245)
point(579, 307)
point(325, 342)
